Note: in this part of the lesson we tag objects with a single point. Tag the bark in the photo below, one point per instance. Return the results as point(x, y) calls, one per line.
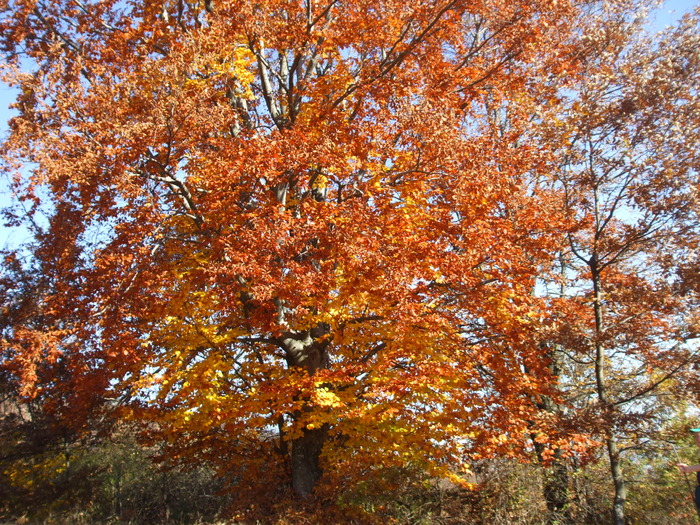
point(556, 483)
point(618, 509)
point(556, 489)
point(307, 350)
point(306, 453)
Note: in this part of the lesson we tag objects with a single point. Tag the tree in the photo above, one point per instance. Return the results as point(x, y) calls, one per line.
point(47, 420)
point(629, 180)
point(293, 236)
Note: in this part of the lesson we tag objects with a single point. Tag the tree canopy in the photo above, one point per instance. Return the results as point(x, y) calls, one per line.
point(303, 240)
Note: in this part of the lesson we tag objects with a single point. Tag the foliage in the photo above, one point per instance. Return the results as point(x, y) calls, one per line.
point(303, 243)
point(626, 332)
point(106, 479)
point(291, 216)
point(114, 480)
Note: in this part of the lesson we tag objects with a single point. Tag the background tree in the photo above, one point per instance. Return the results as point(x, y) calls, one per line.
point(629, 180)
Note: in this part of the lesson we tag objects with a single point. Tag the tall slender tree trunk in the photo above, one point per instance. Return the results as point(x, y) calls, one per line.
point(618, 509)
point(556, 489)
point(556, 482)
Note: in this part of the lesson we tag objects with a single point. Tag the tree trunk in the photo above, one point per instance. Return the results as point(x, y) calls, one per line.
point(556, 489)
point(556, 482)
point(307, 350)
point(306, 453)
point(618, 509)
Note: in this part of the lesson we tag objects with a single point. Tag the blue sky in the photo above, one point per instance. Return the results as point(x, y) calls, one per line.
point(665, 16)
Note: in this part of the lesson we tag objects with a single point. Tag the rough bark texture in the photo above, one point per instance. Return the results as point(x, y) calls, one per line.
point(618, 509)
point(556, 489)
point(306, 453)
point(307, 350)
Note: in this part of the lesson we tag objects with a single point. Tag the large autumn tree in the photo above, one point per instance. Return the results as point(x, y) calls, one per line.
point(292, 235)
